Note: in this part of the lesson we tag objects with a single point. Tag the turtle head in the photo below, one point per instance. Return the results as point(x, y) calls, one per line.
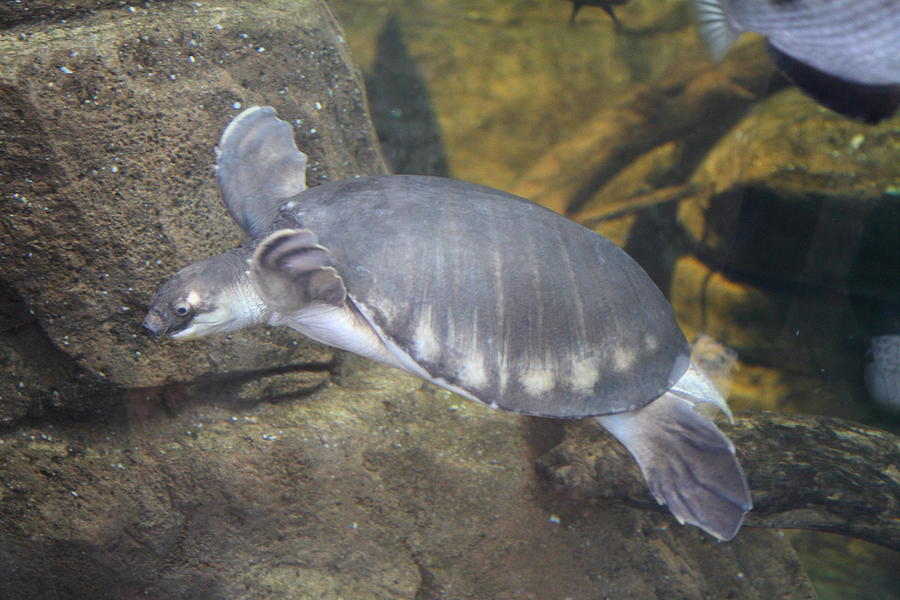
point(211, 296)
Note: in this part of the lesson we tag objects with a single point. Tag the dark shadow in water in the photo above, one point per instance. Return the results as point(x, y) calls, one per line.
point(401, 107)
point(123, 570)
point(54, 385)
point(874, 279)
point(140, 409)
point(651, 240)
point(542, 435)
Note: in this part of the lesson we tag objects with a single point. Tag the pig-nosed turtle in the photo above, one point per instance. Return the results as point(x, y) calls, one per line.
point(476, 290)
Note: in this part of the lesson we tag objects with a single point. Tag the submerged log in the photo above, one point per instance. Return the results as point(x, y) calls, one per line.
point(805, 472)
point(703, 102)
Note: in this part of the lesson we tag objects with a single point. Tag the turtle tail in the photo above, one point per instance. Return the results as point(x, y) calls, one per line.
point(687, 462)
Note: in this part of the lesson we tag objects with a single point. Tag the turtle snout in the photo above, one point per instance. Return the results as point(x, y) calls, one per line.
point(154, 325)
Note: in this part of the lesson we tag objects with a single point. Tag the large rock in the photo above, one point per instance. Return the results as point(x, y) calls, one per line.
point(378, 487)
point(788, 193)
point(108, 122)
point(795, 229)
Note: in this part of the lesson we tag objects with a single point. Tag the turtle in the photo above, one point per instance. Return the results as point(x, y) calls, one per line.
point(476, 290)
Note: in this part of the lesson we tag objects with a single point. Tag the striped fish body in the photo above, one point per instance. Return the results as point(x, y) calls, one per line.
point(496, 297)
point(845, 54)
point(857, 40)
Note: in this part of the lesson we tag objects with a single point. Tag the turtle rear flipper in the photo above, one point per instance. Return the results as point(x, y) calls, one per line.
point(688, 463)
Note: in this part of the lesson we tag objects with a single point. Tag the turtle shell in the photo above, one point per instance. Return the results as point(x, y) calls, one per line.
point(516, 305)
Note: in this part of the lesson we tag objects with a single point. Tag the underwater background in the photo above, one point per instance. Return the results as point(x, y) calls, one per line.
point(264, 465)
point(772, 223)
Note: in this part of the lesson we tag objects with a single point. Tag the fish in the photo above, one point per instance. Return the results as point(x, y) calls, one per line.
point(882, 373)
point(606, 5)
point(844, 54)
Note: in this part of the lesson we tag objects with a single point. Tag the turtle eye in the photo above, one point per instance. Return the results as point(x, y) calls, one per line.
point(182, 309)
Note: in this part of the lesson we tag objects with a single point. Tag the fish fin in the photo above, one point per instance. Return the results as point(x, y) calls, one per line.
point(869, 103)
point(258, 166)
point(576, 6)
point(716, 31)
point(612, 15)
point(688, 463)
point(291, 271)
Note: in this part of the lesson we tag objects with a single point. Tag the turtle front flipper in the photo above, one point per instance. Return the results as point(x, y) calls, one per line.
point(258, 167)
point(291, 271)
point(688, 463)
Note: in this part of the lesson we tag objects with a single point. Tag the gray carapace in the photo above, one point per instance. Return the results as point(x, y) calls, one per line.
point(476, 290)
